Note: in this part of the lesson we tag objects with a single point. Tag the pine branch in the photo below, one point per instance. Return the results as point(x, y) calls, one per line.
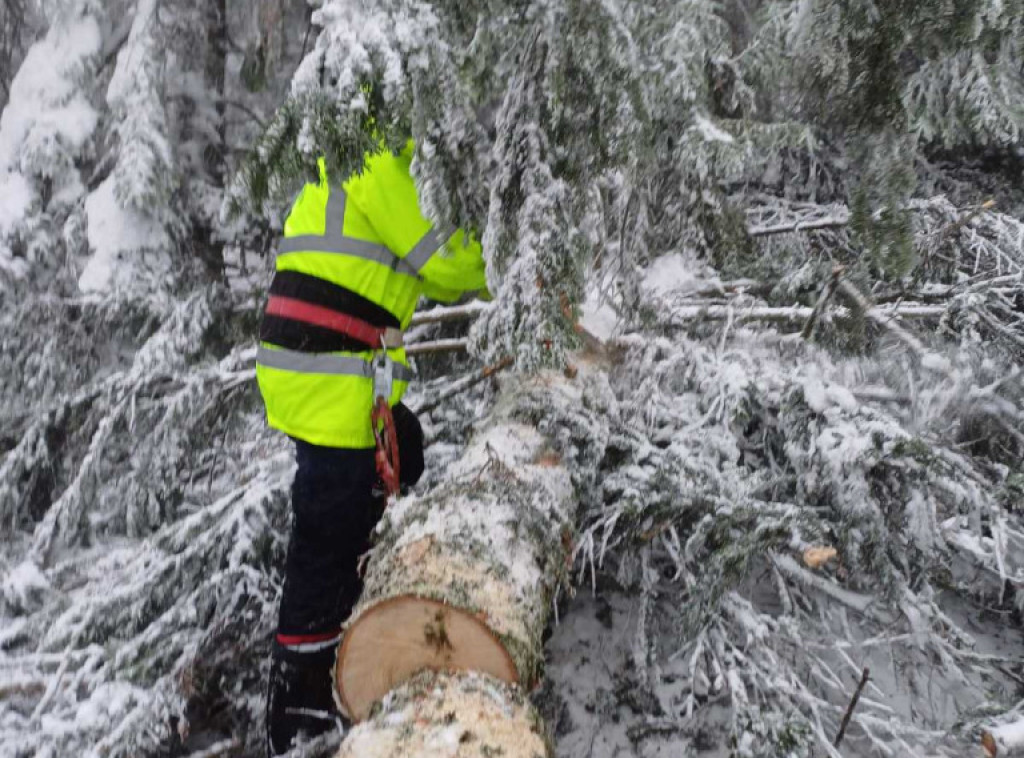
point(770, 314)
point(696, 313)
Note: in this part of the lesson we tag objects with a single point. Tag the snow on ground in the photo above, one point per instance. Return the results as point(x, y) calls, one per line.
point(669, 273)
point(590, 699)
point(598, 317)
point(712, 133)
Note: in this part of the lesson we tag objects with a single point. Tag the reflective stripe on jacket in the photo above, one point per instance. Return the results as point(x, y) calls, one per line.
point(368, 236)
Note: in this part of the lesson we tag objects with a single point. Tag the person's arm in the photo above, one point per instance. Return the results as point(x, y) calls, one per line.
point(449, 263)
point(458, 266)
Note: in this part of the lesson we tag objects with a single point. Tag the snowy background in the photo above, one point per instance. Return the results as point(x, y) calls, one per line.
point(792, 231)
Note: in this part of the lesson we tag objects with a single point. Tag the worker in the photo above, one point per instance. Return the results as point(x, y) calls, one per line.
point(355, 257)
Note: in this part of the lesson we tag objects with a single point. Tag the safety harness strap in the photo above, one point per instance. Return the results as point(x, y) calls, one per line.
point(309, 313)
point(429, 244)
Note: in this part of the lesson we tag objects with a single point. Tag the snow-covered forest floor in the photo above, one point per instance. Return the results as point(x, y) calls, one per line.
point(791, 235)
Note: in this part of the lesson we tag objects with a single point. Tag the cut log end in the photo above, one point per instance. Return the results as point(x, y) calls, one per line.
point(401, 636)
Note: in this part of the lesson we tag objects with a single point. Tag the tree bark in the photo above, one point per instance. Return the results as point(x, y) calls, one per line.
point(463, 578)
point(457, 715)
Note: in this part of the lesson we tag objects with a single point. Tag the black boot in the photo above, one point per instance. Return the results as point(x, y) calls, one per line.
point(300, 699)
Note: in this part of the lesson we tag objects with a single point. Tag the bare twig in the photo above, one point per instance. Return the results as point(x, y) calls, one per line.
point(830, 222)
point(456, 313)
point(464, 384)
point(54, 684)
point(960, 223)
point(880, 395)
point(240, 106)
point(853, 704)
point(437, 346)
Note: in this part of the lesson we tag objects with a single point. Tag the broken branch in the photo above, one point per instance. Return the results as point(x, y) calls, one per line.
point(888, 322)
point(464, 384)
point(455, 313)
point(853, 704)
point(437, 346)
point(830, 222)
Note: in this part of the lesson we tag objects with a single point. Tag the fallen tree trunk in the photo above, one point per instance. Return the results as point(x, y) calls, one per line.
point(685, 314)
point(463, 578)
point(457, 715)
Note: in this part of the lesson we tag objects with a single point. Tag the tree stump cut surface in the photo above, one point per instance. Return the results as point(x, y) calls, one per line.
point(417, 634)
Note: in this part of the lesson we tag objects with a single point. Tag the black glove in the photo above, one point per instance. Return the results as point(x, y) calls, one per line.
point(410, 445)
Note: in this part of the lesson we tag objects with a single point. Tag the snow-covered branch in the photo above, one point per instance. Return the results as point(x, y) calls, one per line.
point(453, 313)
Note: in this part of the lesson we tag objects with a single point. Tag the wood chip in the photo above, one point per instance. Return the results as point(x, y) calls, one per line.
point(816, 557)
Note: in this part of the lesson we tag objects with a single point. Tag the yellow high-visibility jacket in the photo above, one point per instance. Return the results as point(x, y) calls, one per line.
point(368, 237)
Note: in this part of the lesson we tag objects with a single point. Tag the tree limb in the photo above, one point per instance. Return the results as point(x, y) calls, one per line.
point(464, 384)
point(830, 222)
point(437, 346)
point(853, 704)
point(455, 313)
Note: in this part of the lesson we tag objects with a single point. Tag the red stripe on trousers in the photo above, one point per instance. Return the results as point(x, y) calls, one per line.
point(306, 639)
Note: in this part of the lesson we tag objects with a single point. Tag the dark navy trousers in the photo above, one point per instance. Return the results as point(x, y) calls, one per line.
point(334, 512)
point(336, 504)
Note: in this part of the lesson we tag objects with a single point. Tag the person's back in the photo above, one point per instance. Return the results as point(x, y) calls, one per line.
point(355, 257)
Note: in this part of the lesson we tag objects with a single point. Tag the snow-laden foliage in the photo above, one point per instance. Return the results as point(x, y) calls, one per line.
point(946, 71)
point(741, 464)
point(44, 132)
point(134, 465)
